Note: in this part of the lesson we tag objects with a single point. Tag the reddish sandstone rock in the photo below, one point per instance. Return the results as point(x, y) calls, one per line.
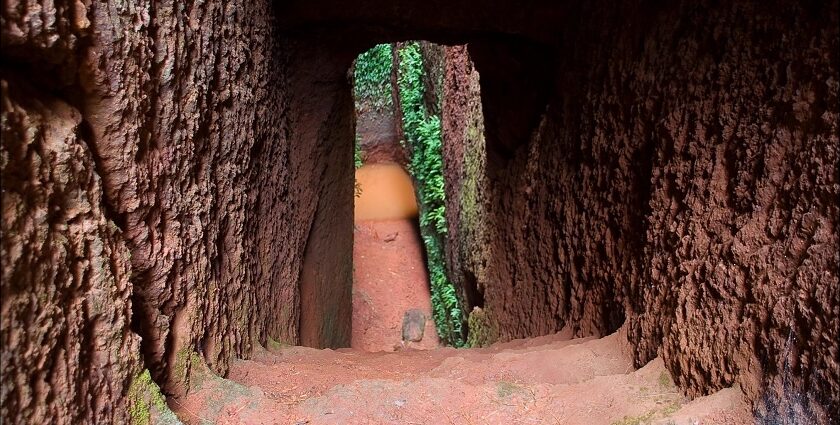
point(671, 166)
point(66, 294)
point(683, 177)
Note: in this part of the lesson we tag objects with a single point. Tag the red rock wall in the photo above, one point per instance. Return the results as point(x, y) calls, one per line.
point(324, 115)
point(163, 165)
point(66, 293)
point(187, 106)
point(742, 250)
point(684, 177)
point(674, 166)
point(468, 249)
point(64, 288)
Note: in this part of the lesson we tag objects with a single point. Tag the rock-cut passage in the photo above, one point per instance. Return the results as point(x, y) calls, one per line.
point(177, 198)
point(391, 300)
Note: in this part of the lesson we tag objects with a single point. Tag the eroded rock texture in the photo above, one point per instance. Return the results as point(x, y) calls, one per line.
point(66, 298)
point(324, 117)
point(188, 113)
point(673, 166)
point(170, 167)
point(742, 235)
point(684, 177)
point(468, 249)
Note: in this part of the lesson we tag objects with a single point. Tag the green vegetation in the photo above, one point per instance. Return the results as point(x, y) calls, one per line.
point(483, 332)
point(505, 389)
point(644, 418)
point(665, 380)
point(275, 345)
point(358, 162)
point(357, 153)
point(190, 368)
point(423, 136)
point(181, 366)
point(372, 78)
point(651, 416)
point(666, 404)
point(371, 86)
point(143, 396)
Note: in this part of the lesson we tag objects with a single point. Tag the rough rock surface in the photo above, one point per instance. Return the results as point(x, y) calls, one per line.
point(65, 295)
point(674, 166)
point(184, 124)
point(376, 132)
point(467, 249)
point(171, 170)
point(684, 176)
point(323, 135)
point(413, 325)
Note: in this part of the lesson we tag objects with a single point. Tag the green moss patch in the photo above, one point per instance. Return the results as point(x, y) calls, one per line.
point(146, 404)
point(651, 415)
point(483, 331)
point(505, 389)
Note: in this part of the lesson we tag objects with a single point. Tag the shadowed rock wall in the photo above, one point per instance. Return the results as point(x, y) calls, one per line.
point(160, 179)
point(188, 111)
point(684, 176)
point(468, 249)
point(324, 115)
point(66, 293)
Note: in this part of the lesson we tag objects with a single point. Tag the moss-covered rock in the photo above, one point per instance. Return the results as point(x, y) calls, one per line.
point(146, 404)
point(483, 331)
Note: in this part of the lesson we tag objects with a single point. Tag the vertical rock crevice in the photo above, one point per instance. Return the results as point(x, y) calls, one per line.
point(326, 126)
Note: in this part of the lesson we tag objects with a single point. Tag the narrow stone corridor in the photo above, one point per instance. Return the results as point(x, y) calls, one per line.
point(628, 210)
point(389, 272)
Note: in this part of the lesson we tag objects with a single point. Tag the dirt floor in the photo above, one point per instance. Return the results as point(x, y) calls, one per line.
point(553, 379)
point(389, 273)
point(389, 278)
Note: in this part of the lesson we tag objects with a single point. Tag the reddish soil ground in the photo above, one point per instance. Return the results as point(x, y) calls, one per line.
point(553, 379)
point(389, 273)
point(389, 278)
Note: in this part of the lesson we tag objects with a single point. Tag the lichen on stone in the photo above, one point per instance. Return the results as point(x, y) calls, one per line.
point(483, 331)
point(146, 404)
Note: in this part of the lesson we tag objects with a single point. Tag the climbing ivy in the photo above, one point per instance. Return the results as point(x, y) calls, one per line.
point(423, 136)
point(357, 153)
point(372, 78)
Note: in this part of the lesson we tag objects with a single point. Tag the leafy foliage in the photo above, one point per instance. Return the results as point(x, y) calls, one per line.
point(372, 78)
point(357, 153)
point(423, 135)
